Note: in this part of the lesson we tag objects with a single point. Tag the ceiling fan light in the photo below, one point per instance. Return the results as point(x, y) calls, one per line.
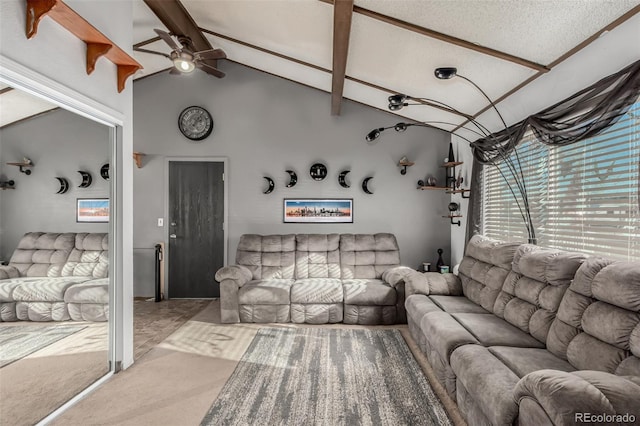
point(184, 62)
point(445, 73)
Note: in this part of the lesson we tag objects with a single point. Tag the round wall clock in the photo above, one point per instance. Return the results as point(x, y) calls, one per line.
point(318, 171)
point(195, 123)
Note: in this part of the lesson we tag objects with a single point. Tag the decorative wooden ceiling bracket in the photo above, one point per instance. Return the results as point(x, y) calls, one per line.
point(97, 43)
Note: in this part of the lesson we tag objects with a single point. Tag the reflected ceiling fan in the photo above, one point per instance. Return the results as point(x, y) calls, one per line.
point(184, 57)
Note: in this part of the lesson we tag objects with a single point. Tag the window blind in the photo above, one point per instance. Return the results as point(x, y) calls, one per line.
point(583, 197)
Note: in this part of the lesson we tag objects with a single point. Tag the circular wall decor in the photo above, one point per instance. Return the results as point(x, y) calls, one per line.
point(293, 178)
point(365, 185)
point(271, 186)
point(195, 123)
point(342, 179)
point(104, 171)
point(318, 171)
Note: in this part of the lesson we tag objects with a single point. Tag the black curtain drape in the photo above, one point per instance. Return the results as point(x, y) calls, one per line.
point(583, 115)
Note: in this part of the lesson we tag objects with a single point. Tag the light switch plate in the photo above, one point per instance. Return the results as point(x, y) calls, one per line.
point(160, 221)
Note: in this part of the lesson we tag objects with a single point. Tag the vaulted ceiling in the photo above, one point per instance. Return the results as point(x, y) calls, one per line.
point(368, 49)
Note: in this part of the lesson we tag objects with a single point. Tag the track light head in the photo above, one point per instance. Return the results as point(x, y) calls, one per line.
point(374, 134)
point(400, 127)
point(445, 73)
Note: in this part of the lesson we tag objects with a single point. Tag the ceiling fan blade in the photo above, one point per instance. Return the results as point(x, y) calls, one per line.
point(167, 39)
point(138, 49)
point(210, 70)
point(212, 54)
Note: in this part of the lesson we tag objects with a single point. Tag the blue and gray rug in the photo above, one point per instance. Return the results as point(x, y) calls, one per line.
point(18, 341)
point(321, 376)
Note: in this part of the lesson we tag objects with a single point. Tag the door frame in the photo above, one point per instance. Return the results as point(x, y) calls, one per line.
point(225, 216)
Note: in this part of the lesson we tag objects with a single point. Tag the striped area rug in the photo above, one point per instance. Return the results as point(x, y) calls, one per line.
point(321, 376)
point(18, 341)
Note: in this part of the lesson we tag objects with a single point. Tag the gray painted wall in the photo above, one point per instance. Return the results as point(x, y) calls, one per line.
point(59, 143)
point(265, 125)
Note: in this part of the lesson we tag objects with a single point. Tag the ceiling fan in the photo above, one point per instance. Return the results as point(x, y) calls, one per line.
point(185, 59)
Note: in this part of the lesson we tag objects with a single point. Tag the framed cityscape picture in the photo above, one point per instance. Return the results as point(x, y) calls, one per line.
point(316, 210)
point(93, 210)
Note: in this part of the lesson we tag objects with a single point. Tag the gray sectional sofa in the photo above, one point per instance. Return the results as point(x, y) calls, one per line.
point(56, 277)
point(532, 336)
point(314, 278)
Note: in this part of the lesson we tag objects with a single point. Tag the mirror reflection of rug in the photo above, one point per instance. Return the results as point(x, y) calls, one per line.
point(18, 341)
point(321, 376)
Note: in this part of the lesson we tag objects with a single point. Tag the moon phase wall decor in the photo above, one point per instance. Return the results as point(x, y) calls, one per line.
point(104, 171)
point(365, 185)
point(271, 186)
point(86, 179)
point(293, 178)
point(64, 185)
point(318, 171)
point(342, 179)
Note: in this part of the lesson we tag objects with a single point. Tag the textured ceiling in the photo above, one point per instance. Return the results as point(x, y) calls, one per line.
point(294, 39)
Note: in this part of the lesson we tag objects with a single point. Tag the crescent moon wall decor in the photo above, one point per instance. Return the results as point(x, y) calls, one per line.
point(104, 171)
point(293, 178)
point(86, 179)
point(365, 185)
point(272, 185)
point(64, 185)
point(342, 179)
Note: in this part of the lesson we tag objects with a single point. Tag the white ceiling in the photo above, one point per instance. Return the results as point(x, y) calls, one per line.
point(395, 59)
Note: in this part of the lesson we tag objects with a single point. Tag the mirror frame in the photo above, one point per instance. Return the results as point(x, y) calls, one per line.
point(30, 81)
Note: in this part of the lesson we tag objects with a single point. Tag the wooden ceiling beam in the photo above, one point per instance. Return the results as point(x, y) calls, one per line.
point(342, 14)
point(447, 38)
point(179, 22)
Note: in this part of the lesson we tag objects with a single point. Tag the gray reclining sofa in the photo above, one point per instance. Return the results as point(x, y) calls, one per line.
point(314, 278)
point(56, 277)
point(532, 336)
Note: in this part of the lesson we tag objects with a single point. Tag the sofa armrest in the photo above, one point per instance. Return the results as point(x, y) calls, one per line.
point(238, 273)
point(7, 272)
point(578, 397)
point(397, 275)
point(433, 283)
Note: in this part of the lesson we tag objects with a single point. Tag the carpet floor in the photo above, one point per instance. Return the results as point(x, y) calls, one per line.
point(325, 376)
point(176, 382)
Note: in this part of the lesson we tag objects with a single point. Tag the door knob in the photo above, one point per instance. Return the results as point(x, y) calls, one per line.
point(173, 236)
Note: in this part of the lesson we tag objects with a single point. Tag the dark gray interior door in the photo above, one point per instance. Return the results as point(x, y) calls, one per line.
point(196, 228)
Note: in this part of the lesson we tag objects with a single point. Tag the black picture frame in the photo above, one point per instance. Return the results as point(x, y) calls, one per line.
point(317, 210)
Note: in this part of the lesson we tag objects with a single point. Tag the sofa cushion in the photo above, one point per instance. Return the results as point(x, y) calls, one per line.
point(367, 255)
point(265, 292)
point(89, 257)
point(42, 254)
point(317, 290)
point(493, 331)
point(317, 313)
point(317, 256)
point(7, 287)
point(598, 322)
point(368, 292)
point(444, 333)
point(457, 304)
point(93, 291)
point(369, 315)
point(488, 381)
point(267, 256)
point(523, 361)
point(45, 289)
point(417, 305)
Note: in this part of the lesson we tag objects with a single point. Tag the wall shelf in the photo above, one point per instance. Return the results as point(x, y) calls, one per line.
point(97, 43)
point(137, 157)
point(23, 167)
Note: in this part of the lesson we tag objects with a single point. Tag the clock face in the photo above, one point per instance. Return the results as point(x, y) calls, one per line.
point(195, 123)
point(318, 171)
